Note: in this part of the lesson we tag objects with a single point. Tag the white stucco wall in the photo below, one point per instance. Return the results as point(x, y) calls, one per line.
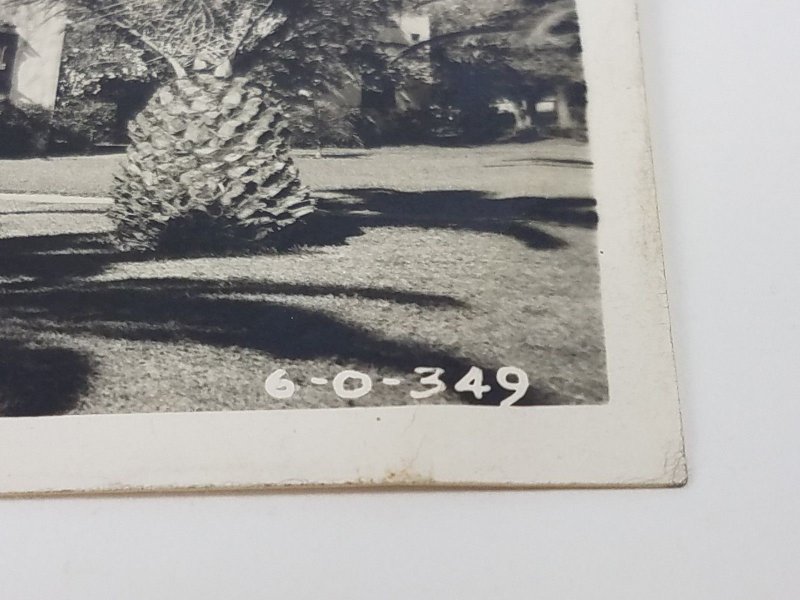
point(36, 68)
point(416, 28)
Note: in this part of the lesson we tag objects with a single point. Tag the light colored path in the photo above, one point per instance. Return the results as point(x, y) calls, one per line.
point(54, 199)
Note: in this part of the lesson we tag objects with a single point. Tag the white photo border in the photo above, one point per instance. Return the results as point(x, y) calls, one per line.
point(634, 441)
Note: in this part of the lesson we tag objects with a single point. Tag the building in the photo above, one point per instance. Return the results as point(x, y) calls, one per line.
point(380, 92)
point(31, 41)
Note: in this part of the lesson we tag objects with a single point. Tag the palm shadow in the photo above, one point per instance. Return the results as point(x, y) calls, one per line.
point(51, 258)
point(226, 315)
point(49, 292)
point(342, 210)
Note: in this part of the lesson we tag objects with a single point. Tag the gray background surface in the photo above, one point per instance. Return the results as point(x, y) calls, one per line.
point(724, 103)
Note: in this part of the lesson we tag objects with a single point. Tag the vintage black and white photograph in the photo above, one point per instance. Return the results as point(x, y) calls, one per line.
point(212, 206)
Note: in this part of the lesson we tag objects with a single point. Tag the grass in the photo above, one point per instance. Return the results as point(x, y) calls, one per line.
point(558, 173)
point(434, 257)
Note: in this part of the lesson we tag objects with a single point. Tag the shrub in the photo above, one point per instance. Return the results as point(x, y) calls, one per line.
point(80, 123)
point(440, 125)
point(23, 131)
point(75, 126)
point(324, 123)
point(377, 128)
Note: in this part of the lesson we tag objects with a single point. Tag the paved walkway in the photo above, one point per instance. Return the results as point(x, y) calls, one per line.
point(53, 198)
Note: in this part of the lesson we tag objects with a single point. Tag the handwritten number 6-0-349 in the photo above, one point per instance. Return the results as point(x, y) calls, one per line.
point(352, 385)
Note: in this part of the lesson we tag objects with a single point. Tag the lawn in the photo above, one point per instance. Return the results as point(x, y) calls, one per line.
point(430, 257)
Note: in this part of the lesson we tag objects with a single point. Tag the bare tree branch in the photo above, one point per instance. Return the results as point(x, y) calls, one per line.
point(174, 64)
point(543, 20)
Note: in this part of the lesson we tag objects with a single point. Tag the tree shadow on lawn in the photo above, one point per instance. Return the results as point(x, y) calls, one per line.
point(213, 313)
point(67, 259)
point(343, 214)
point(40, 381)
point(467, 210)
point(51, 258)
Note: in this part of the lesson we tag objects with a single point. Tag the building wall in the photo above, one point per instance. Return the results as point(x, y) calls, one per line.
point(38, 59)
point(415, 94)
point(416, 28)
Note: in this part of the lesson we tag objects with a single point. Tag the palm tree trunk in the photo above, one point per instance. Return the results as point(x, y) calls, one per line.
point(207, 167)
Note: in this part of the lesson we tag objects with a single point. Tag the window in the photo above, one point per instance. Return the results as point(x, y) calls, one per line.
point(415, 37)
point(9, 41)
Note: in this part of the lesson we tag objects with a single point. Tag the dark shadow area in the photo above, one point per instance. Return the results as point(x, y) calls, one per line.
point(57, 257)
point(72, 242)
point(248, 287)
point(40, 381)
point(467, 210)
point(534, 237)
point(183, 289)
point(342, 214)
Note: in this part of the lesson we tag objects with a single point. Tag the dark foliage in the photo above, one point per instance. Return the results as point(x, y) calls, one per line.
point(23, 131)
point(80, 124)
point(74, 127)
point(435, 125)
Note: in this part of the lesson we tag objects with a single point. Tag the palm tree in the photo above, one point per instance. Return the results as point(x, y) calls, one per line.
point(208, 163)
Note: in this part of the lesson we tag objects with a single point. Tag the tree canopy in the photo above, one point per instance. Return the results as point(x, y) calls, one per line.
point(95, 54)
point(214, 34)
point(315, 46)
point(537, 37)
